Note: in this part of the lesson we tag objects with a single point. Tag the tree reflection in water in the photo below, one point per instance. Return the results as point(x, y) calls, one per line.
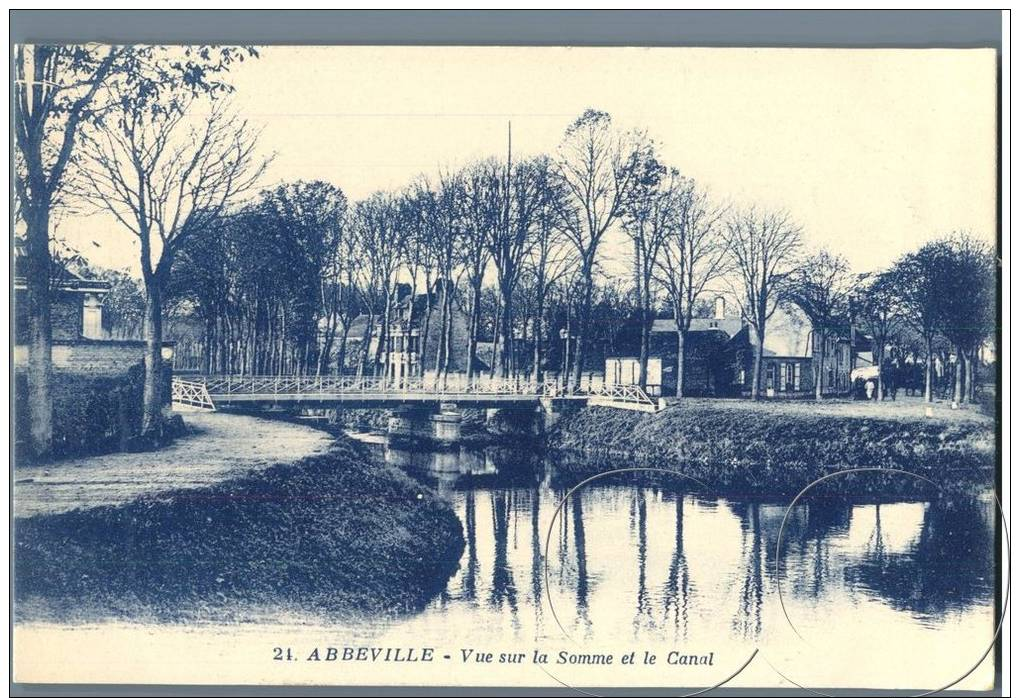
point(639, 520)
point(469, 588)
point(747, 621)
point(577, 518)
point(503, 587)
point(536, 555)
point(949, 565)
point(939, 557)
point(677, 591)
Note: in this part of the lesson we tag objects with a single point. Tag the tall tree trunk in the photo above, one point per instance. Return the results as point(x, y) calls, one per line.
point(495, 338)
point(506, 333)
point(645, 334)
point(582, 332)
point(880, 361)
point(448, 337)
point(441, 339)
point(958, 377)
point(40, 340)
point(382, 350)
point(366, 341)
point(821, 368)
point(341, 359)
point(927, 371)
point(539, 337)
point(681, 355)
point(756, 373)
point(972, 364)
point(152, 393)
point(472, 339)
point(210, 329)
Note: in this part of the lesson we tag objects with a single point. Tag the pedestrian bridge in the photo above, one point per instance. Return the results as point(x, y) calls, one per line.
point(209, 392)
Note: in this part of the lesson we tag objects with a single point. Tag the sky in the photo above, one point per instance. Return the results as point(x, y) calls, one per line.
point(872, 152)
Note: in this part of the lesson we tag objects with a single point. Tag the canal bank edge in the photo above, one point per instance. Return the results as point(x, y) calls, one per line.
point(760, 451)
point(330, 534)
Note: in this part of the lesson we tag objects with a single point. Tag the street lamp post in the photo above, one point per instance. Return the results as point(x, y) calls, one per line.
point(565, 336)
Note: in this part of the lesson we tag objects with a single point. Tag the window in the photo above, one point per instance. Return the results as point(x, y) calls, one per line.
point(92, 321)
point(796, 376)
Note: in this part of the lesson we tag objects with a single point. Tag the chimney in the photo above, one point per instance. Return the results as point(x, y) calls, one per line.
point(720, 308)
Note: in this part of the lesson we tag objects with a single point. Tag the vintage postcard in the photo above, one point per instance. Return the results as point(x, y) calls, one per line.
point(565, 368)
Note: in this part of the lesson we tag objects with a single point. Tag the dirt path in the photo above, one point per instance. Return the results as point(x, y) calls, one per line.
point(221, 445)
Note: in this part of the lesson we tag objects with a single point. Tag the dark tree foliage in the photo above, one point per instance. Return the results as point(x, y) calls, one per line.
point(265, 279)
point(59, 93)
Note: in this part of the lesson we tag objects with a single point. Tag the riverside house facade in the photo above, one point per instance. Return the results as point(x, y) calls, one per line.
point(720, 351)
point(411, 346)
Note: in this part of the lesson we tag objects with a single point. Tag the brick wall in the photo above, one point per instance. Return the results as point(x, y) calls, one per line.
point(97, 396)
point(100, 358)
point(65, 316)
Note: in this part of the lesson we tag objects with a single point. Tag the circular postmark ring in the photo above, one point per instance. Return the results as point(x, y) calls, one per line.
point(545, 570)
point(779, 587)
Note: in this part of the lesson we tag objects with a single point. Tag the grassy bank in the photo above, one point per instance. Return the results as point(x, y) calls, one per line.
point(778, 449)
point(329, 535)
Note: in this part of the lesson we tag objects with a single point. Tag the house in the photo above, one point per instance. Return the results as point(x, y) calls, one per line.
point(81, 343)
point(708, 356)
point(76, 304)
point(412, 348)
point(720, 352)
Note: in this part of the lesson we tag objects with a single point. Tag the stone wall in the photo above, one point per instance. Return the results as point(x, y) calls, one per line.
point(92, 413)
point(97, 395)
point(65, 316)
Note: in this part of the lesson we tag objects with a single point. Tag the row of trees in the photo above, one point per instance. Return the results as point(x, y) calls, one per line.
point(946, 291)
point(143, 134)
point(139, 131)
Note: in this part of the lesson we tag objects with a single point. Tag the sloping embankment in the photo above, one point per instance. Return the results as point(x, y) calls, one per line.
point(329, 534)
point(778, 450)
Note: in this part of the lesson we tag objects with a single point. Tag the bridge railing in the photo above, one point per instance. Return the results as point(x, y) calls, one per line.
point(354, 385)
point(386, 387)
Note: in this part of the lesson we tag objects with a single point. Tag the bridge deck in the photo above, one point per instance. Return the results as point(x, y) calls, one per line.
point(209, 391)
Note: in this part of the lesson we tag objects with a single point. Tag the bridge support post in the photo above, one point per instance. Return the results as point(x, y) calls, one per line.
point(404, 423)
point(446, 425)
point(552, 408)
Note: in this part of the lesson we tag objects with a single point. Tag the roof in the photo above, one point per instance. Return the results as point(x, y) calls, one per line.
point(729, 325)
point(64, 279)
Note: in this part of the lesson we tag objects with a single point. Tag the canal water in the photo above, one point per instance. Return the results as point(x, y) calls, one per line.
point(895, 594)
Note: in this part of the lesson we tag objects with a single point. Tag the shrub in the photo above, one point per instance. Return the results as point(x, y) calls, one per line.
point(91, 413)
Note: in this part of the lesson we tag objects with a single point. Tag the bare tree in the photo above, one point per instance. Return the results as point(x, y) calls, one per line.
point(164, 174)
point(524, 193)
point(444, 208)
point(381, 241)
point(600, 170)
point(919, 278)
point(820, 287)
point(57, 91)
point(482, 215)
point(693, 255)
point(880, 307)
point(762, 246)
point(550, 259)
point(647, 223)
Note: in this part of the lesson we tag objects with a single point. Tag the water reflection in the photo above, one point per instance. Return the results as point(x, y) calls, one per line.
point(678, 589)
point(644, 557)
point(948, 566)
